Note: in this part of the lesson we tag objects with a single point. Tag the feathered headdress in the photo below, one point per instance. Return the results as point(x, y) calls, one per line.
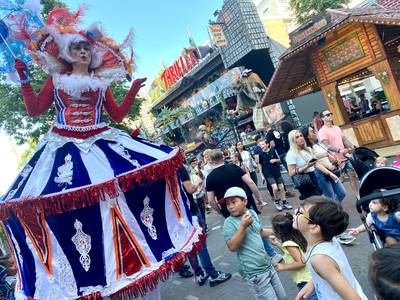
point(50, 46)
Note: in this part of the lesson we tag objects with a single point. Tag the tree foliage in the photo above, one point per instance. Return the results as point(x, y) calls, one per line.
point(24, 129)
point(157, 88)
point(48, 6)
point(303, 9)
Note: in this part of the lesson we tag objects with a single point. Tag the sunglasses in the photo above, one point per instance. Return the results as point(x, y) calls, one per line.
point(299, 212)
point(328, 114)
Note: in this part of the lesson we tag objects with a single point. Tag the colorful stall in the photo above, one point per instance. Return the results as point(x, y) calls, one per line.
point(353, 57)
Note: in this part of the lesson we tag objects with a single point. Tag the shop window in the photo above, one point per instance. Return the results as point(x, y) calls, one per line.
point(363, 96)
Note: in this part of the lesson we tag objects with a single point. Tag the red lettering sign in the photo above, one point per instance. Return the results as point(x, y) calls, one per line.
point(179, 68)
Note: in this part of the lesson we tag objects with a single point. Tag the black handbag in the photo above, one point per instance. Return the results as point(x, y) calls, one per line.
point(302, 180)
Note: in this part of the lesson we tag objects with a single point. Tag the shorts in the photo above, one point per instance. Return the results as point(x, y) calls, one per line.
point(274, 180)
point(346, 166)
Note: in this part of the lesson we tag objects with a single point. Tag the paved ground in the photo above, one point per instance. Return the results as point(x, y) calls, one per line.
point(177, 288)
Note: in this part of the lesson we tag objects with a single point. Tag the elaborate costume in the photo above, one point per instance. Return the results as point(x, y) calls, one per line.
point(95, 212)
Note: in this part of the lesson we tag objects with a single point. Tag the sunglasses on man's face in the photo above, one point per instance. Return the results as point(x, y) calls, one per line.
point(328, 114)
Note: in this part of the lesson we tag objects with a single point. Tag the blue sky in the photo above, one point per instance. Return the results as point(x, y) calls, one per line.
point(160, 26)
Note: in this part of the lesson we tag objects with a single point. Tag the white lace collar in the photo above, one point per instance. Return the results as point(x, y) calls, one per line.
point(76, 84)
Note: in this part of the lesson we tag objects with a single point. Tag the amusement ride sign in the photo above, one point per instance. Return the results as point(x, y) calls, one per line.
point(179, 68)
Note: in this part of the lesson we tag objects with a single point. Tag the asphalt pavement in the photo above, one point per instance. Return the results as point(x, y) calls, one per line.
point(177, 288)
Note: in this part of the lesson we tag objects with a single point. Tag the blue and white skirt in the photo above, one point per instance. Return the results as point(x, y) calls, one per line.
point(97, 217)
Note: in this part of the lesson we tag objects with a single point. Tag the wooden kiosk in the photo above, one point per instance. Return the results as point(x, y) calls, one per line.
point(355, 50)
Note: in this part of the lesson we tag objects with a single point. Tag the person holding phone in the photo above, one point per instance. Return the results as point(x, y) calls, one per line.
point(300, 160)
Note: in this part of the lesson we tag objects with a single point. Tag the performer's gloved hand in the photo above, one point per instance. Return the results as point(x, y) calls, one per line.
point(20, 66)
point(136, 86)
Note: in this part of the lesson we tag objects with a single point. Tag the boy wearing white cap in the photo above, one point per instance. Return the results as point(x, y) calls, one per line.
point(243, 234)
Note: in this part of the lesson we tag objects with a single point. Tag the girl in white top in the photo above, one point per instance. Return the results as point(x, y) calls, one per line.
point(319, 220)
point(300, 160)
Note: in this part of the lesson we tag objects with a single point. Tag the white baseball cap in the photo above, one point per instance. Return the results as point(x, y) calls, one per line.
point(235, 192)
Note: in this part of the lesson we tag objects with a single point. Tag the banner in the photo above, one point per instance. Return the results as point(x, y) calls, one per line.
point(218, 35)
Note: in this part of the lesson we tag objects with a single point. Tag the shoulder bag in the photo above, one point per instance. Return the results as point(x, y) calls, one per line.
point(336, 170)
point(302, 180)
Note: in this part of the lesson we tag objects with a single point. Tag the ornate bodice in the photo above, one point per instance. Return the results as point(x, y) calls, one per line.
point(79, 102)
point(79, 99)
point(83, 110)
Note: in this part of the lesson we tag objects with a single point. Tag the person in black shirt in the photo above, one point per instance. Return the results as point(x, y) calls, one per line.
point(216, 277)
point(280, 142)
point(286, 127)
point(222, 178)
point(257, 150)
point(274, 138)
point(269, 165)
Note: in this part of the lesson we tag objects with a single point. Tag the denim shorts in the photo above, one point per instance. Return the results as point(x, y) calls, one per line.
point(274, 180)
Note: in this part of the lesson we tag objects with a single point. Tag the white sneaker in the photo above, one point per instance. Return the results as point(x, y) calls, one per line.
point(278, 206)
point(346, 238)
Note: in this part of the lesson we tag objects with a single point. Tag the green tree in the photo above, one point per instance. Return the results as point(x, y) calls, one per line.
point(157, 88)
point(48, 6)
point(303, 9)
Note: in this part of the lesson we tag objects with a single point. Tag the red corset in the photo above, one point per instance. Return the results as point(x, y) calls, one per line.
point(79, 111)
point(76, 114)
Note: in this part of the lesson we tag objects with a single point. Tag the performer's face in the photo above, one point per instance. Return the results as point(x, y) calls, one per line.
point(81, 53)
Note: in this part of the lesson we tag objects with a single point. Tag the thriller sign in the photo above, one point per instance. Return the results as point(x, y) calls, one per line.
point(179, 68)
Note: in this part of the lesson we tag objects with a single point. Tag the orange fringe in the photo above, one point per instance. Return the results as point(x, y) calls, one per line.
point(92, 194)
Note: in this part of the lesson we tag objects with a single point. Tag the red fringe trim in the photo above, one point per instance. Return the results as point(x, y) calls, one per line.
point(149, 282)
point(152, 172)
point(93, 194)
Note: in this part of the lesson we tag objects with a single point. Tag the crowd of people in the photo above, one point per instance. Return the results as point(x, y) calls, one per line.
point(305, 241)
point(363, 107)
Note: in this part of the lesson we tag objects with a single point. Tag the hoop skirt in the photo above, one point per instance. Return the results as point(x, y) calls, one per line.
point(95, 217)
